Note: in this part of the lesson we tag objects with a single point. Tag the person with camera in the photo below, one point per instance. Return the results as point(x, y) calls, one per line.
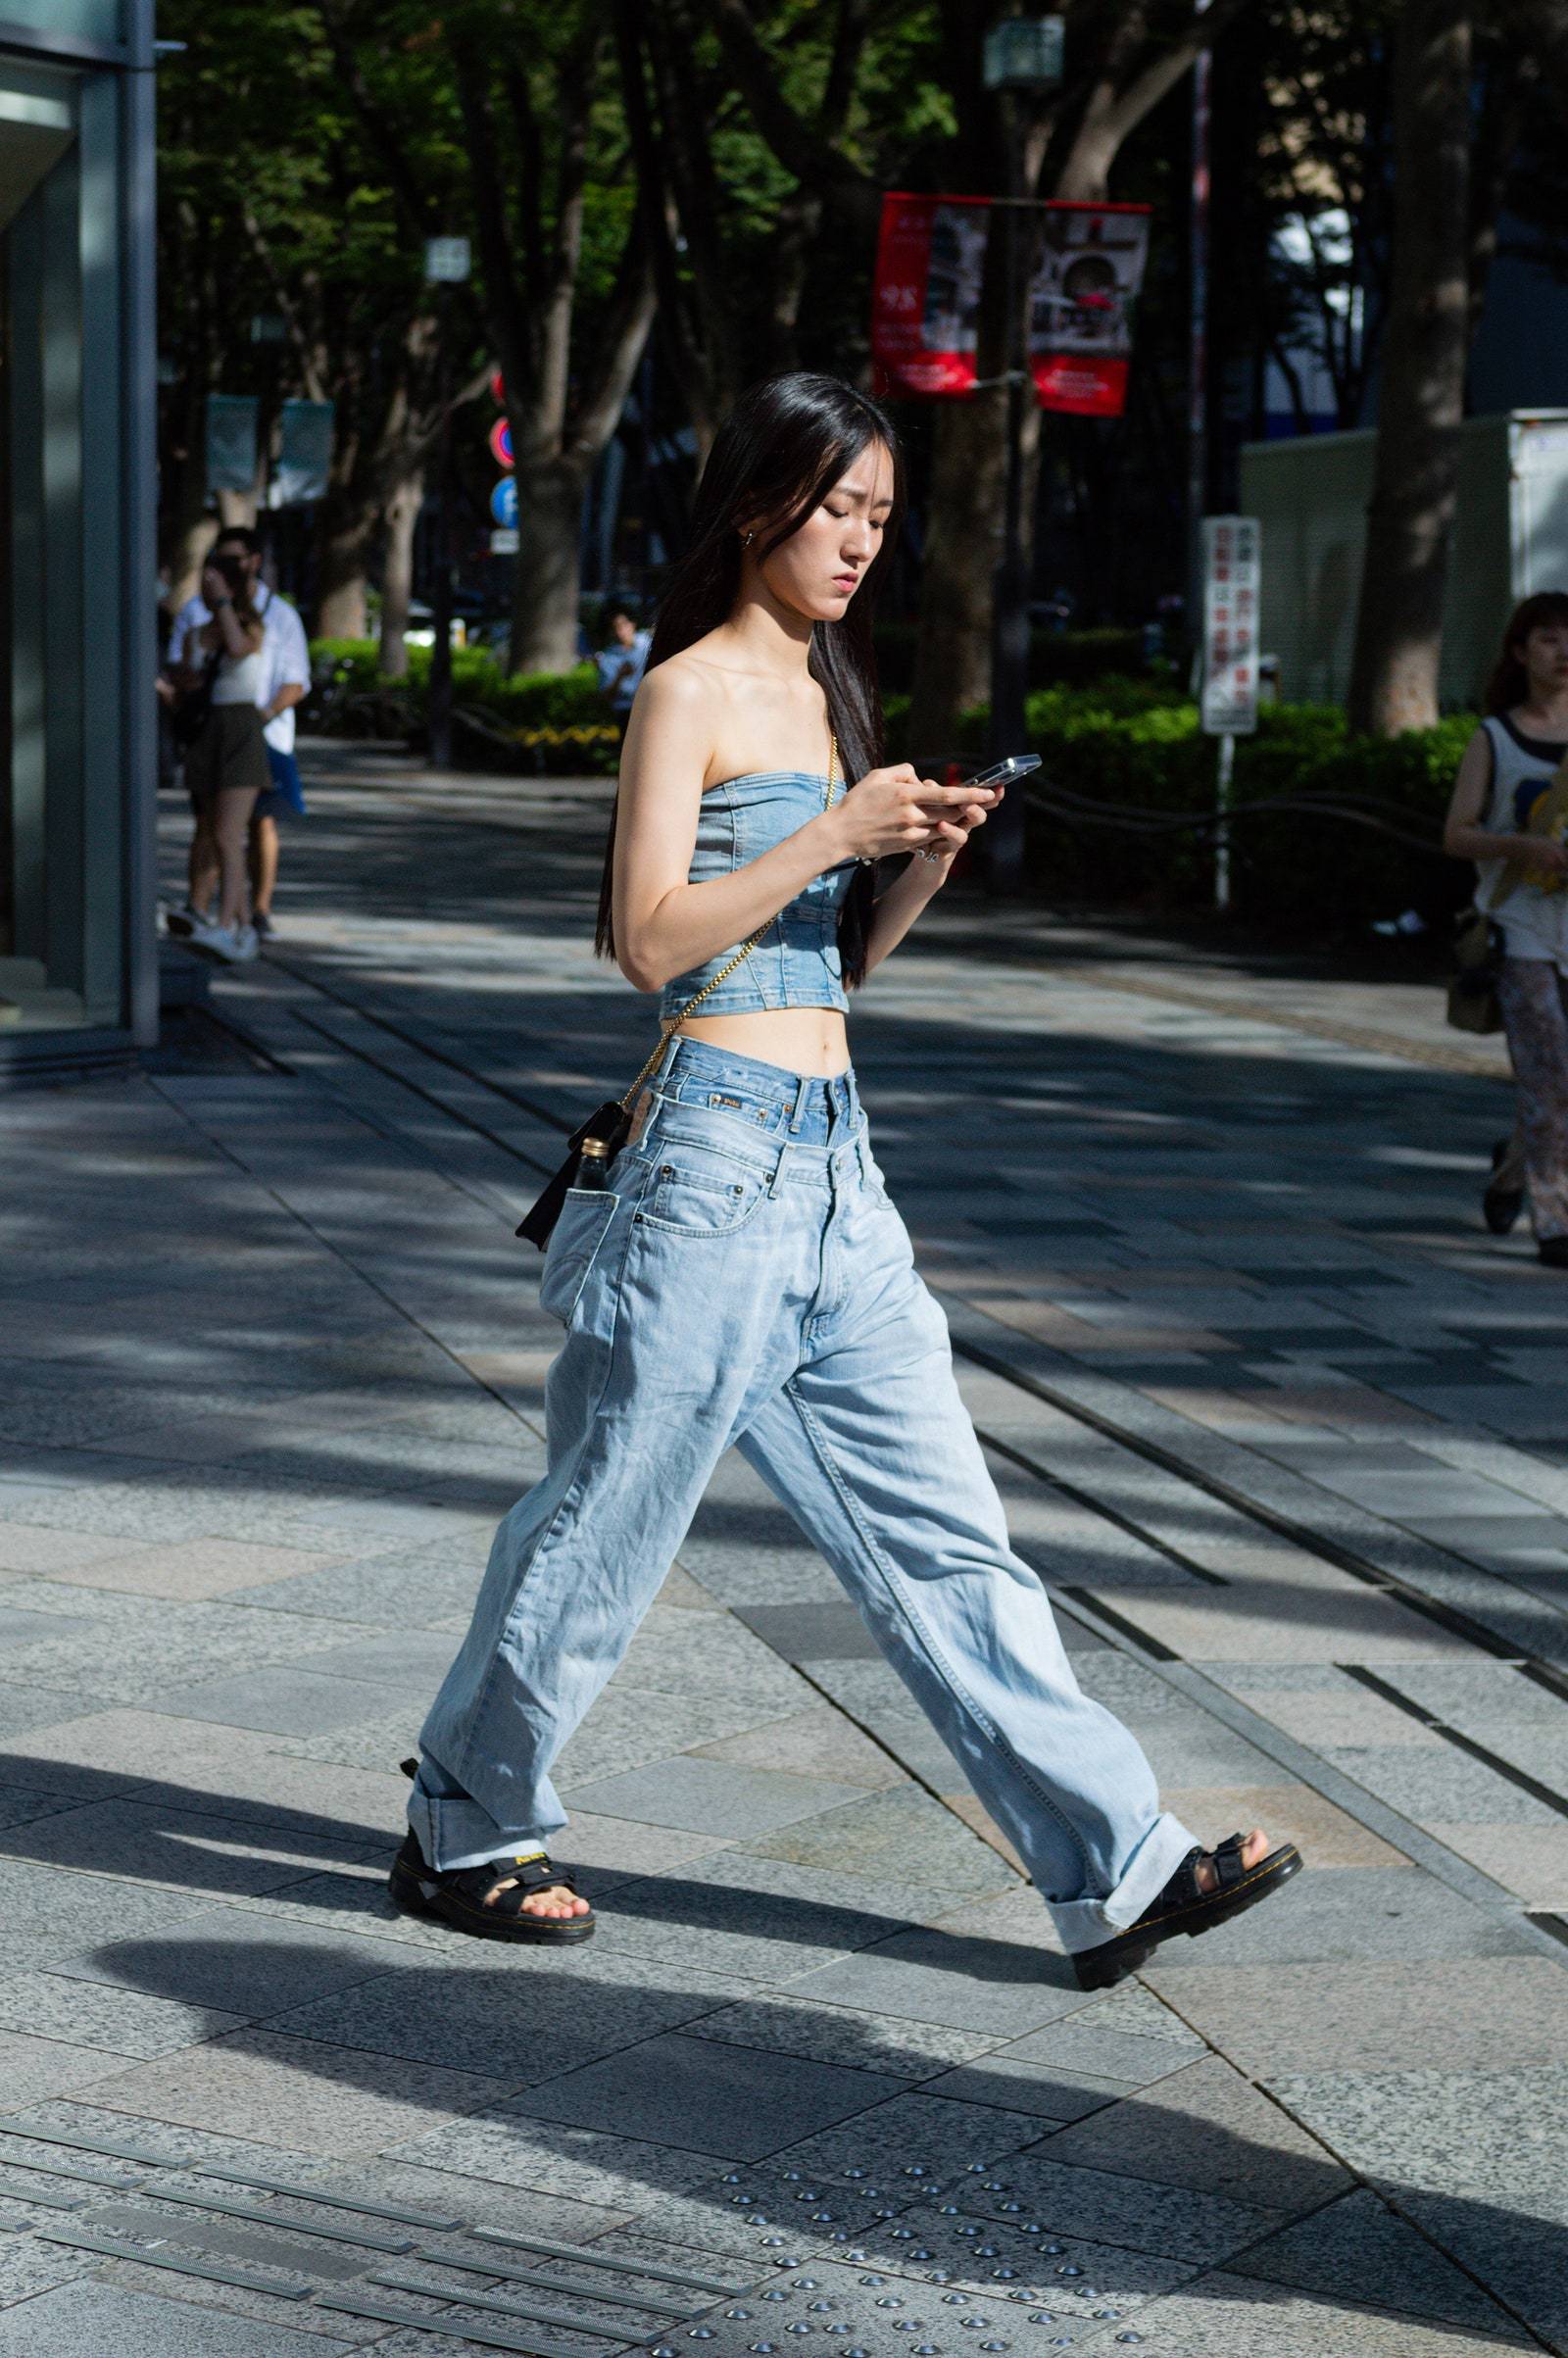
point(736, 1275)
point(225, 748)
point(281, 683)
point(1508, 813)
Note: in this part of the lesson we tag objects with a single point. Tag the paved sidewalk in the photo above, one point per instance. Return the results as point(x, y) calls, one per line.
point(1285, 1430)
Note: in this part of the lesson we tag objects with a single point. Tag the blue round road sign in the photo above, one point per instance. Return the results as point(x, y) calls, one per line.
point(504, 504)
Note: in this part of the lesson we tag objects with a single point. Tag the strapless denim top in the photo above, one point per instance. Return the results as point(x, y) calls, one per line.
point(796, 964)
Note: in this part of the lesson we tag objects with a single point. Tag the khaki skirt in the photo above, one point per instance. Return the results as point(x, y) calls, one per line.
point(229, 753)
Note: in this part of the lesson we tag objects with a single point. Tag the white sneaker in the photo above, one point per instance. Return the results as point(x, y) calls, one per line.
point(234, 944)
point(185, 919)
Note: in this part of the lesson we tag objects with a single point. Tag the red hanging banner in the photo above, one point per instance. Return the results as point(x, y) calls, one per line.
point(1085, 265)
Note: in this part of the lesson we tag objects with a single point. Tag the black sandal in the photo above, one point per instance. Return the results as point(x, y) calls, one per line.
point(1183, 1906)
point(462, 1895)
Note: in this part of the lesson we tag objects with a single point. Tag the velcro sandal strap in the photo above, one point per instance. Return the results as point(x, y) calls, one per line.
point(536, 1874)
point(522, 1877)
point(1230, 1867)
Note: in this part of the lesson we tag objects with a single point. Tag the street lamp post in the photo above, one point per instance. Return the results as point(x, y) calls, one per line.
point(447, 263)
point(1022, 55)
point(1197, 348)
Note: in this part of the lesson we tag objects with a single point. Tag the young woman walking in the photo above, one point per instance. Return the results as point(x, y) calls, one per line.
point(744, 1279)
point(1508, 814)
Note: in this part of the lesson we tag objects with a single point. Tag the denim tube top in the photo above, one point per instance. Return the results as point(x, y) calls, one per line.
point(796, 964)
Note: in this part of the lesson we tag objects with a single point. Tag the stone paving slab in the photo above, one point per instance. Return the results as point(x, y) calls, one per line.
point(248, 1501)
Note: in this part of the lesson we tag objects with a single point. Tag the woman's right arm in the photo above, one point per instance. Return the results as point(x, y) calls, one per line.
point(665, 926)
point(1463, 835)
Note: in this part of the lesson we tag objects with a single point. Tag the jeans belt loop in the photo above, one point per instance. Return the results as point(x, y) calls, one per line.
point(802, 1090)
point(776, 1182)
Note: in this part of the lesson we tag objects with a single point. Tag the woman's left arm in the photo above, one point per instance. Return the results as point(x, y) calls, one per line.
point(922, 879)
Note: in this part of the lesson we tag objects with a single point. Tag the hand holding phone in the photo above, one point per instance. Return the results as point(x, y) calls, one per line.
point(992, 783)
point(1006, 774)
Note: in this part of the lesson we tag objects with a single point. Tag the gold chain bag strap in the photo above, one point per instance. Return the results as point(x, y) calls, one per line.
point(611, 1122)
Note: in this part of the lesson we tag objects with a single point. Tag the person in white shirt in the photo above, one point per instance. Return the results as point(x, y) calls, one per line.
point(225, 754)
point(283, 677)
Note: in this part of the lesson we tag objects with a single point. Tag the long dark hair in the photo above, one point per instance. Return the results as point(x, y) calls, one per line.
point(779, 452)
point(1509, 683)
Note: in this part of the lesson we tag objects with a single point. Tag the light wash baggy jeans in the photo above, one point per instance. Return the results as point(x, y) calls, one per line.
point(747, 1280)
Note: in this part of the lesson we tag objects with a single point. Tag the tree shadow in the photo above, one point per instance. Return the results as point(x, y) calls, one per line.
point(614, 2080)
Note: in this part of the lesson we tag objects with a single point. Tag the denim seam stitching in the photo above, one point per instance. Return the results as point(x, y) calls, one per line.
point(893, 1587)
point(549, 1531)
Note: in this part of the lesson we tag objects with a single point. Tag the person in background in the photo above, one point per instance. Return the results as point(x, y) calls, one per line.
point(281, 682)
point(622, 662)
point(1504, 798)
point(226, 765)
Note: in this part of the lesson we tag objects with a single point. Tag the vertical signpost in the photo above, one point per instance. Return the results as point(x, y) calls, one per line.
point(1232, 570)
point(446, 265)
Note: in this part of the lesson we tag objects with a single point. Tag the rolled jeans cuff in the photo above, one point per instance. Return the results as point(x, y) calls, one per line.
point(1084, 1923)
point(454, 1832)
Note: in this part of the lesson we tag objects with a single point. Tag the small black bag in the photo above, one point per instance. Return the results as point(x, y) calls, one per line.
point(191, 714)
point(612, 1121)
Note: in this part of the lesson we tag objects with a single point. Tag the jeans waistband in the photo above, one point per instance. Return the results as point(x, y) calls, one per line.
point(799, 1107)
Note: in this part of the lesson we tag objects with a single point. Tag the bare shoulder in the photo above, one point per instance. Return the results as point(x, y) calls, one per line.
point(697, 680)
point(675, 686)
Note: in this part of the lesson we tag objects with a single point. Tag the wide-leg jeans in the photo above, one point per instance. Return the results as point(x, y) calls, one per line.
point(745, 1280)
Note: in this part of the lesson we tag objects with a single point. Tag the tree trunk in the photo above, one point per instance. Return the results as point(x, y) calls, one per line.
point(1398, 641)
point(397, 573)
point(237, 508)
point(953, 649)
point(345, 535)
point(545, 585)
point(190, 538)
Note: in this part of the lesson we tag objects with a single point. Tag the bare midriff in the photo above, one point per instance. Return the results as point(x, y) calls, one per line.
point(810, 1040)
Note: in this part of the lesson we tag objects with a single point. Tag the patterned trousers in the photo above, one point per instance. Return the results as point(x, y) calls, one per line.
point(1535, 1012)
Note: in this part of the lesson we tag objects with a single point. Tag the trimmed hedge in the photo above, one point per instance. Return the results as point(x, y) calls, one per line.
point(557, 722)
point(1130, 743)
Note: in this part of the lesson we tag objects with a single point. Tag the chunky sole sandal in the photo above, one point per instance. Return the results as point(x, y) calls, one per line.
point(458, 1895)
point(1183, 1906)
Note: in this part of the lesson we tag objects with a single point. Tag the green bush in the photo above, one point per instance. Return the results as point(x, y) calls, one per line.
point(1128, 743)
point(557, 721)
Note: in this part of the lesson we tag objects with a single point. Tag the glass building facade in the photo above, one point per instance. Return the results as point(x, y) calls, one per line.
point(78, 969)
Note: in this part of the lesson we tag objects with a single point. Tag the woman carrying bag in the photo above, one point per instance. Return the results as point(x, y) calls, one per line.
point(225, 760)
point(739, 1275)
point(1508, 813)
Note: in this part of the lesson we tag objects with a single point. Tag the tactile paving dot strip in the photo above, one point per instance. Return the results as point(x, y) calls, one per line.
point(1026, 2263)
point(830, 2309)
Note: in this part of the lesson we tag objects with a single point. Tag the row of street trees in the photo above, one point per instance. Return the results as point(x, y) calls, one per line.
point(707, 175)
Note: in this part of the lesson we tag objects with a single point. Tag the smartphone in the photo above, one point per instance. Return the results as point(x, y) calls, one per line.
point(1006, 774)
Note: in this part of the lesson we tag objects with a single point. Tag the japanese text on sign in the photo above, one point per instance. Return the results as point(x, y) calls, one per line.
point(1232, 575)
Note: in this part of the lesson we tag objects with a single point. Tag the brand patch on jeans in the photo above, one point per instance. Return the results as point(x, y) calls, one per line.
point(734, 1105)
